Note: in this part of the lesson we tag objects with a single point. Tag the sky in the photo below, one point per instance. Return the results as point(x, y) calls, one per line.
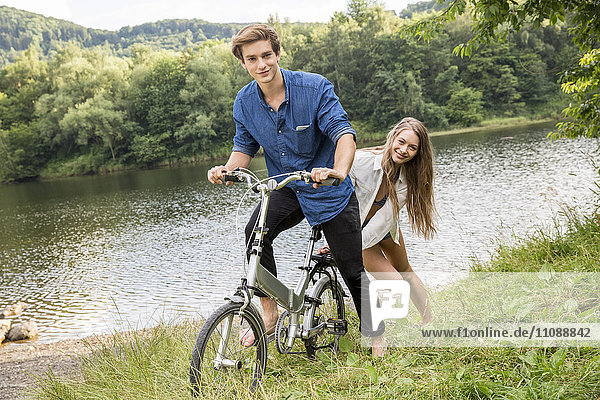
point(114, 14)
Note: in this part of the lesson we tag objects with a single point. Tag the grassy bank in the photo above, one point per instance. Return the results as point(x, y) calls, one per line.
point(369, 135)
point(155, 364)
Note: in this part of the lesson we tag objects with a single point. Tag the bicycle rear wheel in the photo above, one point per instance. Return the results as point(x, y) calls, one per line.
point(221, 367)
point(331, 297)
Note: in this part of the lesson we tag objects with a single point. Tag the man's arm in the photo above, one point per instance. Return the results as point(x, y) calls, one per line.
point(237, 159)
point(344, 156)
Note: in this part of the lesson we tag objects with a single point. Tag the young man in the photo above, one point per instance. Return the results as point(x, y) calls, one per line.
point(300, 124)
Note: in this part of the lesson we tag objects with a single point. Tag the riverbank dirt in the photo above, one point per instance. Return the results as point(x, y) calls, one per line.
point(22, 364)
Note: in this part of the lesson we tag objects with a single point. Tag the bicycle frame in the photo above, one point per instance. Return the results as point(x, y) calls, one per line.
point(261, 278)
point(258, 277)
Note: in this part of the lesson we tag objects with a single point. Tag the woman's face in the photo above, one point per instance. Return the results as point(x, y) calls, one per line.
point(405, 146)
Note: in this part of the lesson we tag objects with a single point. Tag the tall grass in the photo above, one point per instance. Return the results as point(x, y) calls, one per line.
point(574, 248)
point(153, 364)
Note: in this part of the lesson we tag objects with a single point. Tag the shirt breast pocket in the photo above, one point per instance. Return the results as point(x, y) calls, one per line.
point(304, 139)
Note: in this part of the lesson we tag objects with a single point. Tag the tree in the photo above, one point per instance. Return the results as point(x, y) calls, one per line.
point(21, 153)
point(492, 71)
point(465, 107)
point(96, 120)
point(155, 98)
point(358, 10)
point(495, 19)
point(395, 94)
point(208, 95)
point(23, 82)
point(77, 76)
point(583, 83)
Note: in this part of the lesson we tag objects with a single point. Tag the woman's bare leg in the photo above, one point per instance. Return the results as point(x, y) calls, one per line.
point(396, 255)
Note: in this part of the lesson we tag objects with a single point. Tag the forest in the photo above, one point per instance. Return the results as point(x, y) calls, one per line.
point(79, 101)
point(20, 29)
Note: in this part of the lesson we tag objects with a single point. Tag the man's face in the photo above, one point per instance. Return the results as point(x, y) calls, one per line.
point(260, 61)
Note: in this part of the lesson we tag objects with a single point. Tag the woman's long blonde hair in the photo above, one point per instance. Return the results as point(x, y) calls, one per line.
point(418, 173)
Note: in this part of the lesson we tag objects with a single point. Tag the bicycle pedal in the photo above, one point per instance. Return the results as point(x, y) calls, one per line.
point(337, 326)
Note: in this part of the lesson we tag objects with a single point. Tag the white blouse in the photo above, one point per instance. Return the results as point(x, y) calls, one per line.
point(366, 174)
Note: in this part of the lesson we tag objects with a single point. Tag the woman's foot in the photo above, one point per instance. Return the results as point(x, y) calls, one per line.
point(378, 345)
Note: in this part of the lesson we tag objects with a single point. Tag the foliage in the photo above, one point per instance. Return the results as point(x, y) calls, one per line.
point(155, 100)
point(583, 83)
point(20, 29)
point(148, 150)
point(93, 107)
point(465, 107)
point(21, 153)
point(208, 96)
point(493, 20)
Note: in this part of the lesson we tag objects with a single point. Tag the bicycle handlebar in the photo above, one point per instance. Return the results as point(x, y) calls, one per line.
point(240, 176)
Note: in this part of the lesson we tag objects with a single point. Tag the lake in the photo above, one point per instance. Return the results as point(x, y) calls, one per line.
point(125, 251)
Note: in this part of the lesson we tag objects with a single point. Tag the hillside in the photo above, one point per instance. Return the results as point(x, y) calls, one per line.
point(19, 29)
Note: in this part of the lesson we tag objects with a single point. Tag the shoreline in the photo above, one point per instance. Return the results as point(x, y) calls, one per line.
point(371, 137)
point(23, 363)
point(492, 126)
point(484, 127)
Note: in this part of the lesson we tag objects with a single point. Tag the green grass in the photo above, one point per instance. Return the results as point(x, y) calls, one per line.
point(575, 248)
point(153, 364)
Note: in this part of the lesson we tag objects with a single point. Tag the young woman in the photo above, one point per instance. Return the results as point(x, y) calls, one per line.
point(386, 178)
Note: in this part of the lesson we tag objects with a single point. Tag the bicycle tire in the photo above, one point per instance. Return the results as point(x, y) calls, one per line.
point(332, 306)
point(243, 368)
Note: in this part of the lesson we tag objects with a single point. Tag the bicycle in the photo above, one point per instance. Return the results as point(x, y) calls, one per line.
point(220, 363)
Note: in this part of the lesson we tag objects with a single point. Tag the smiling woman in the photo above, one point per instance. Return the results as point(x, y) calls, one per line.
point(385, 179)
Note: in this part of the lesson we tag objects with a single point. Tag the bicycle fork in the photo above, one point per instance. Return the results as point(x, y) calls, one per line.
point(219, 361)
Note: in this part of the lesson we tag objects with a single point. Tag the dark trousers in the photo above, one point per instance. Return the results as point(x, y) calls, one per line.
point(343, 237)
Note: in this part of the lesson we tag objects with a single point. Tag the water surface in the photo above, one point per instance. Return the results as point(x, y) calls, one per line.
point(94, 254)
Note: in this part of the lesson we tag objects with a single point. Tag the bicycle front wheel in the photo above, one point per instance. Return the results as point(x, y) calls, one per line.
point(221, 367)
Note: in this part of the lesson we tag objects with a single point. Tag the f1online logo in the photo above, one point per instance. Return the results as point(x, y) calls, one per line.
point(389, 300)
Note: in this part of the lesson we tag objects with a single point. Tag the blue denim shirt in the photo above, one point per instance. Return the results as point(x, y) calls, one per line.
point(301, 135)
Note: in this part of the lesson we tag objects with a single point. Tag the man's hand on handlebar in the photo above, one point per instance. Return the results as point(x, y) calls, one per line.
point(215, 175)
point(321, 174)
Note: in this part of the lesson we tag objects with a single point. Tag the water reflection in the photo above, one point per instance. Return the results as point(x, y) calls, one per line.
point(96, 253)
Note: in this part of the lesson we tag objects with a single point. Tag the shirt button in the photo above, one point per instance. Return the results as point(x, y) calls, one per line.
point(283, 154)
point(280, 131)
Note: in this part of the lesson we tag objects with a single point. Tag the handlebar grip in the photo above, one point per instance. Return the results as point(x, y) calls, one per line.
point(330, 182)
point(327, 182)
point(232, 178)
